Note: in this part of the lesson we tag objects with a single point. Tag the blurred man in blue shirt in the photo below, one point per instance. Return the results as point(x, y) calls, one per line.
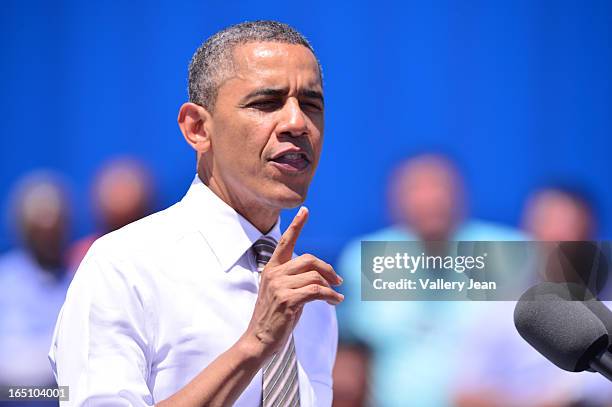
point(33, 282)
point(414, 357)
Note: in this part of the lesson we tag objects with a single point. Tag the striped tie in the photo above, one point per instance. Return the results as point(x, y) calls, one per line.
point(280, 375)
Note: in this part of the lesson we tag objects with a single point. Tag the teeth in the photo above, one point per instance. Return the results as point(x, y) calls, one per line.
point(292, 156)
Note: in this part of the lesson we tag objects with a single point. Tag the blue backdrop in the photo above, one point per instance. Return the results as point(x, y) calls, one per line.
point(518, 92)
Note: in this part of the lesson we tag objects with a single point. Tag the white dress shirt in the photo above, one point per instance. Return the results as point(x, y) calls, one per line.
point(155, 302)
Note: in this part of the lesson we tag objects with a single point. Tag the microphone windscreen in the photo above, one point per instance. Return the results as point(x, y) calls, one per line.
point(602, 312)
point(575, 292)
point(565, 332)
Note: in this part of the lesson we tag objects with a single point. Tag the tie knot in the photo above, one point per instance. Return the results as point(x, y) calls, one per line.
point(263, 248)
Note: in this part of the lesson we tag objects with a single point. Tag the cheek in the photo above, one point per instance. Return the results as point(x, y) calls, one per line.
point(317, 123)
point(316, 140)
point(257, 141)
point(317, 146)
point(240, 142)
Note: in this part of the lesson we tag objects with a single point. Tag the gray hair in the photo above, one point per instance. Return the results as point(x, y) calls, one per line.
point(213, 59)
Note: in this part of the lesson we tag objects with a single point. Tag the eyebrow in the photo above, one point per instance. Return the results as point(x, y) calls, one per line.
point(281, 92)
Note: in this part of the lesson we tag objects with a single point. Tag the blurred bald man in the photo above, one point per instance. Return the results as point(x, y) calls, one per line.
point(410, 340)
point(33, 280)
point(426, 194)
point(122, 193)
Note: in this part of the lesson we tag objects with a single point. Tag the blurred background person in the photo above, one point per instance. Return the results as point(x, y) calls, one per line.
point(428, 203)
point(559, 213)
point(352, 375)
point(499, 368)
point(413, 343)
point(33, 280)
point(566, 213)
point(122, 193)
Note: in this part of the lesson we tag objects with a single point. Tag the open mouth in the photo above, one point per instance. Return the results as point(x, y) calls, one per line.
point(291, 161)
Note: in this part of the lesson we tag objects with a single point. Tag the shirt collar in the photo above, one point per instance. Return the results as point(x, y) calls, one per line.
point(227, 232)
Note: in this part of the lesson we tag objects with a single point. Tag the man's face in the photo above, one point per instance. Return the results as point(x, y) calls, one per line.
point(553, 216)
point(266, 129)
point(430, 199)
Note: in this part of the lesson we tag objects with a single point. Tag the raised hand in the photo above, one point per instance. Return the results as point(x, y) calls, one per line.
point(286, 285)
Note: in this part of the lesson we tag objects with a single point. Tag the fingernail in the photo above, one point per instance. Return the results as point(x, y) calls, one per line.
point(301, 211)
point(340, 279)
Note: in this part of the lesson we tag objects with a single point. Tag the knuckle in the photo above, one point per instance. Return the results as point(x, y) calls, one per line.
point(282, 298)
point(315, 289)
point(308, 258)
point(272, 272)
point(290, 312)
point(314, 277)
point(317, 277)
point(282, 241)
point(273, 285)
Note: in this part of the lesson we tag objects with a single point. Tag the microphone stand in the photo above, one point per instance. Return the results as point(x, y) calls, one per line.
point(603, 364)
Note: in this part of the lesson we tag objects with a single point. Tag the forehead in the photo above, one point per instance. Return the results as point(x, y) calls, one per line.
point(275, 64)
point(551, 200)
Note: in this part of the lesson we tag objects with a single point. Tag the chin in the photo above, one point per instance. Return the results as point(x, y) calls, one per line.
point(286, 197)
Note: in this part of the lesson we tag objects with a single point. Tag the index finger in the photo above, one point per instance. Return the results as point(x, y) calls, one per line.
point(284, 249)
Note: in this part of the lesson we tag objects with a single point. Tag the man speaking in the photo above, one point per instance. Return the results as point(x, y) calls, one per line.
point(204, 303)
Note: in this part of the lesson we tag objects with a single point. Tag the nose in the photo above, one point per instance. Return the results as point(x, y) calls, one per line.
point(293, 121)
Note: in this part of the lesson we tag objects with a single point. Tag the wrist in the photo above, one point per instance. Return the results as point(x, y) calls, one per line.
point(252, 349)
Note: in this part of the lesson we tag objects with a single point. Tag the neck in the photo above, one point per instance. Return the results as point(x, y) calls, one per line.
point(261, 216)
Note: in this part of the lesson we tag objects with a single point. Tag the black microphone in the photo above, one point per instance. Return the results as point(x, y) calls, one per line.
point(576, 292)
point(604, 314)
point(566, 332)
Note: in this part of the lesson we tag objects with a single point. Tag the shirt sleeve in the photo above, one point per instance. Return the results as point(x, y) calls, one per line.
point(323, 386)
point(100, 347)
point(318, 351)
point(349, 267)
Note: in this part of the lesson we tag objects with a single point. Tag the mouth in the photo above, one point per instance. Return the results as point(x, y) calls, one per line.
point(292, 161)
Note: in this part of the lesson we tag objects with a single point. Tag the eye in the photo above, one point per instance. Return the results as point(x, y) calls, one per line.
point(311, 106)
point(267, 105)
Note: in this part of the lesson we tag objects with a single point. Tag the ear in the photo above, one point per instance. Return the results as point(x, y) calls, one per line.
point(194, 122)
